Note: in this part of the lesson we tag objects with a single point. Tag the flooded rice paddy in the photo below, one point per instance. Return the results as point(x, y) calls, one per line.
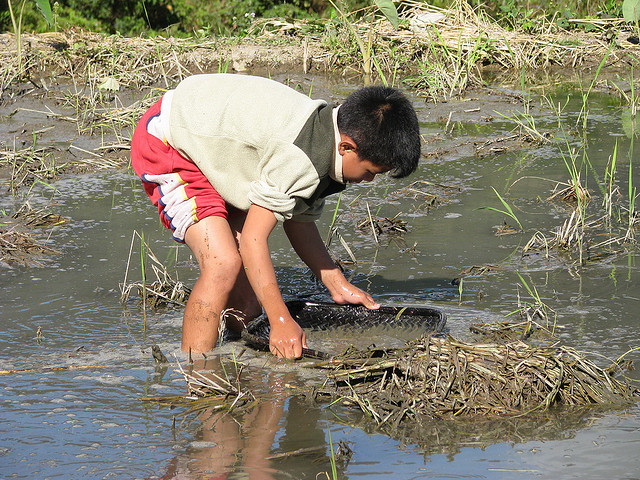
point(91, 423)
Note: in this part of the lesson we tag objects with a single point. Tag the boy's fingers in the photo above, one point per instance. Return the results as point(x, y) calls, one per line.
point(288, 350)
point(372, 304)
point(276, 351)
point(369, 302)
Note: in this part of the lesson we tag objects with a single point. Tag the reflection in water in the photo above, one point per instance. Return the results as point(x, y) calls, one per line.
point(260, 443)
point(453, 436)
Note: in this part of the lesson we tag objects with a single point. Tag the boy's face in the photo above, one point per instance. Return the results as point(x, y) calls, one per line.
point(354, 168)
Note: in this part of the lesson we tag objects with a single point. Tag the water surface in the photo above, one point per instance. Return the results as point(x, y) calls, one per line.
point(91, 423)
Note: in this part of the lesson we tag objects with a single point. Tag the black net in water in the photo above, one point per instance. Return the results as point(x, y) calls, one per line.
point(325, 316)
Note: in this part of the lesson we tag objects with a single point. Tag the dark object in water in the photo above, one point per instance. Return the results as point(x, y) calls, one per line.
point(324, 316)
point(157, 354)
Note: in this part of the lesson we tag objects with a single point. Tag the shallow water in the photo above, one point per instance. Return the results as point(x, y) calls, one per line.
point(91, 423)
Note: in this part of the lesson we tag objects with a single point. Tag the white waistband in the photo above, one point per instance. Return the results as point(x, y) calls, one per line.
point(158, 126)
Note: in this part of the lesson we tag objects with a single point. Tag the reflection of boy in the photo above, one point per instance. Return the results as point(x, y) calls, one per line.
point(225, 157)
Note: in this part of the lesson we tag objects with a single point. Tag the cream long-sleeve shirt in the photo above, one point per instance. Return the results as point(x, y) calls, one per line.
point(257, 141)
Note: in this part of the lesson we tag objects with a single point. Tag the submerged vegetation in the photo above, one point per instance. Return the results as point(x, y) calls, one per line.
point(19, 236)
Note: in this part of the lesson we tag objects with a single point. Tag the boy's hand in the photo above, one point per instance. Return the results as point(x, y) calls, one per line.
point(306, 240)
point(286, 339)
point(348, 293)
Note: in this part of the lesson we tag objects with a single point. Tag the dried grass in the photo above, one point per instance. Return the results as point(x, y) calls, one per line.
point(516, 371)
point(381, 226)
point(18, 246)
point(29, 217)
point(21, 248)
point(427, 194)
point(443, 376)
point(470, 31)
point(589, 240)
point(28, 165)
point(160, 293)
point(573, 192)
point(164, 291)
point(209, 391)
point(43, 164)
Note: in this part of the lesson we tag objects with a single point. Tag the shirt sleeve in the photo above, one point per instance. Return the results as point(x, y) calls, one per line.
point(312, 213)
point(286, 174)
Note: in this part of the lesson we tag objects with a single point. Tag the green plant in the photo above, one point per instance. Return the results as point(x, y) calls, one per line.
point(332, 230)
point(334, 469)
point(517, 16)
point(631, 12)
point(536, 308)
point(573, 230)
point(633, 98)
point(609, 176)
point(16, 23)
point(387, 8)
point(584, 113)
point(445, 71)
point(508, 211)
point(143, 270)
point(527, 124)
point(632, 192)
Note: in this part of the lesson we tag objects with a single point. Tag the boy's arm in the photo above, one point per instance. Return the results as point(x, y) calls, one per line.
point(286, 338)
point(308, 244)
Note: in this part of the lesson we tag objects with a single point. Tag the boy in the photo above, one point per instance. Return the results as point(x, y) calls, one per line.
point(226, 157)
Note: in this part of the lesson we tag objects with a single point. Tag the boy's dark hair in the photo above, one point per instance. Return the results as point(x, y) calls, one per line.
point(384, 126)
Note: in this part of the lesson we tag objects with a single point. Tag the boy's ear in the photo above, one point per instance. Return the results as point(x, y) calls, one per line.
point(346, 144)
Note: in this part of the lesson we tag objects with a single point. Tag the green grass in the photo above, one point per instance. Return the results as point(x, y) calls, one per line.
point(507, 210)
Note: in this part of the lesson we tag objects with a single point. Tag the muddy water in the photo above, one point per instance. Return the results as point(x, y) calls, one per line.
point(91, 423)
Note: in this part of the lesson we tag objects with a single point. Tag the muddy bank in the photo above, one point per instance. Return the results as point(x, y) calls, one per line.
point(302, 47)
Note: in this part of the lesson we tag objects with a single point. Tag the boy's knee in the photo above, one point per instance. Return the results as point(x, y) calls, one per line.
point(222, 269)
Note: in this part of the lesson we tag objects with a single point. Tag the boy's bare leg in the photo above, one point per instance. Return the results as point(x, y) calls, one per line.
point(213, 244)
point(222, 283)
point(242, 296)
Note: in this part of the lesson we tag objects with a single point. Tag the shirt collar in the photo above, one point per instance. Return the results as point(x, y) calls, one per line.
point(336, 166)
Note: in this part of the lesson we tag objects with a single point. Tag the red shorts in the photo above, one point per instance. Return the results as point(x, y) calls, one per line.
point(174, 183)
